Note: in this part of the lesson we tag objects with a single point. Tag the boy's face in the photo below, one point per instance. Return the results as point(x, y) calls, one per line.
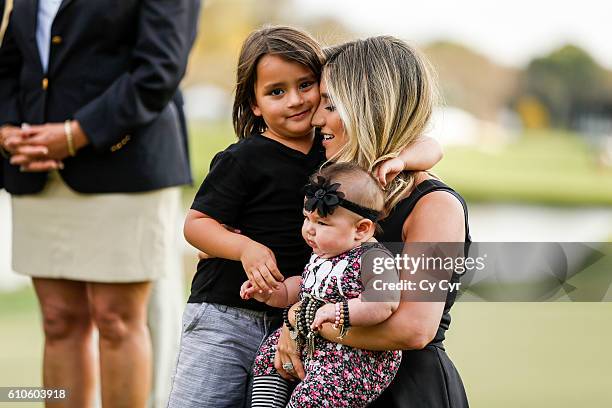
point(286, 96)
point(332, 235)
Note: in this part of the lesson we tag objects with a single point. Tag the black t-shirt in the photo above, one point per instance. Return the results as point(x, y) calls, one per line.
point(255, 185)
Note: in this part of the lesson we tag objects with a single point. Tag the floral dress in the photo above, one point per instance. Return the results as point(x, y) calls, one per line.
point(336, 375)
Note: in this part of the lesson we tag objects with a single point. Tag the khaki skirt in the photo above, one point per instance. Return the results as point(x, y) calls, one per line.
point(118, 237)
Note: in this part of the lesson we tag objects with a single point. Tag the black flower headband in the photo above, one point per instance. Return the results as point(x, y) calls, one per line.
point(325, 198)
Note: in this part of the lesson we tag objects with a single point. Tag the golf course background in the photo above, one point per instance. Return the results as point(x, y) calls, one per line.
point(509, 354)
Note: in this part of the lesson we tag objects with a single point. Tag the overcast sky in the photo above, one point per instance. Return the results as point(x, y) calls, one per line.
point(510, 32)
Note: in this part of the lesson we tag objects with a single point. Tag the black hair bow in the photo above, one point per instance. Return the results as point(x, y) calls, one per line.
point(322, 196)
point(325, 198)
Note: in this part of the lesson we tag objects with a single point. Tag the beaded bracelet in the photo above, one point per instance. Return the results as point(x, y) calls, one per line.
point(311, 310)
point(337, 320)
point(310, 305)
point(344, 320)
point(313, 306)
point(310, 337)
point(301, 318)
point(347, 321)
point(292, 330)
point(299, 339)
point(286, 317)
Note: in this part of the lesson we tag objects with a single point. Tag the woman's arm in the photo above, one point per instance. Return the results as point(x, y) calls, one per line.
point(389, 335)
point(424, 153)
point(360, 313)
point(414, 324)
point(160, 49)
point(287, 352)
point(374, 305)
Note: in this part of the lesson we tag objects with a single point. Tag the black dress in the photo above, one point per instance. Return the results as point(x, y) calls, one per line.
point(427, 378)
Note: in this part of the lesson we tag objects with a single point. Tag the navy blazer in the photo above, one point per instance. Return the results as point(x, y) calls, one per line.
point(115, 66)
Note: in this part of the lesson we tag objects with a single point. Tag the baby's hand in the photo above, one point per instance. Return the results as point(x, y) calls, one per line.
point(248, 291)
point(325, 314)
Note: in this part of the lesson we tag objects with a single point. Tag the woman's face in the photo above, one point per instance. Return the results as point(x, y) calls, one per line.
point(328, 120)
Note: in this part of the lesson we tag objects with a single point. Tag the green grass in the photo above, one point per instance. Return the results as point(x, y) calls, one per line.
point(21, 342)
point(509, 354)
point(17, 303)
point(206, 139)
point(552, 168)
point(546, 167)
point(533, 354)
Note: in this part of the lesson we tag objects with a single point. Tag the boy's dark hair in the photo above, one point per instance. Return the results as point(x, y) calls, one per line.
point(287, 42)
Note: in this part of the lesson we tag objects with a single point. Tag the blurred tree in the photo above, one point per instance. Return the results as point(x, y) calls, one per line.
point(471, 81)
point(224, 24)
point(329, 31)
point(568, 82)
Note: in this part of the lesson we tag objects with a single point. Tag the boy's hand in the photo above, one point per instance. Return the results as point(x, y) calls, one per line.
point(325, 314)
point(388, 170)
point(248, 291)
point(259, 264)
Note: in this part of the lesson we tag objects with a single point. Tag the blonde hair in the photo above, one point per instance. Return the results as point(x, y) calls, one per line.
point(291, 44)
point(384, 92)
point(6, 13)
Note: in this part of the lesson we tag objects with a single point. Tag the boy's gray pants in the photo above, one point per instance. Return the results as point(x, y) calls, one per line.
point(218, 348)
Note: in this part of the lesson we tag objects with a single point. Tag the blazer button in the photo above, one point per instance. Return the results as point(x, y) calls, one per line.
point(45, 84)
point(56, 39)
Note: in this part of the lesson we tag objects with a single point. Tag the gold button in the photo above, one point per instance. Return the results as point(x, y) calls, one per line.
point(45, 84)
point(119, 145)
point(56, 40)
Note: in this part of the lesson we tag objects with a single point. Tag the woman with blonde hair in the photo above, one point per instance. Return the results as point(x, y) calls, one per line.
point(377, 96)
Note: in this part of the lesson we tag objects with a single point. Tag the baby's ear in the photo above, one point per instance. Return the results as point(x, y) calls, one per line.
point(364, 229)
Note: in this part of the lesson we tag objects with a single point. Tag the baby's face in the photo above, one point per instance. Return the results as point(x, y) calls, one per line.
point(332, 235)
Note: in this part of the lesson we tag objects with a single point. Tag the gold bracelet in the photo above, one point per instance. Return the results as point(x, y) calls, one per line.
point(69, 138)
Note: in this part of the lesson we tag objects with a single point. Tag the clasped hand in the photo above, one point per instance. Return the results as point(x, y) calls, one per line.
point(36, 148)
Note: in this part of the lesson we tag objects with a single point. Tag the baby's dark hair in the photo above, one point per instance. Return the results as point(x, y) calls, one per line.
point(358, 185)
point(287, 42)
